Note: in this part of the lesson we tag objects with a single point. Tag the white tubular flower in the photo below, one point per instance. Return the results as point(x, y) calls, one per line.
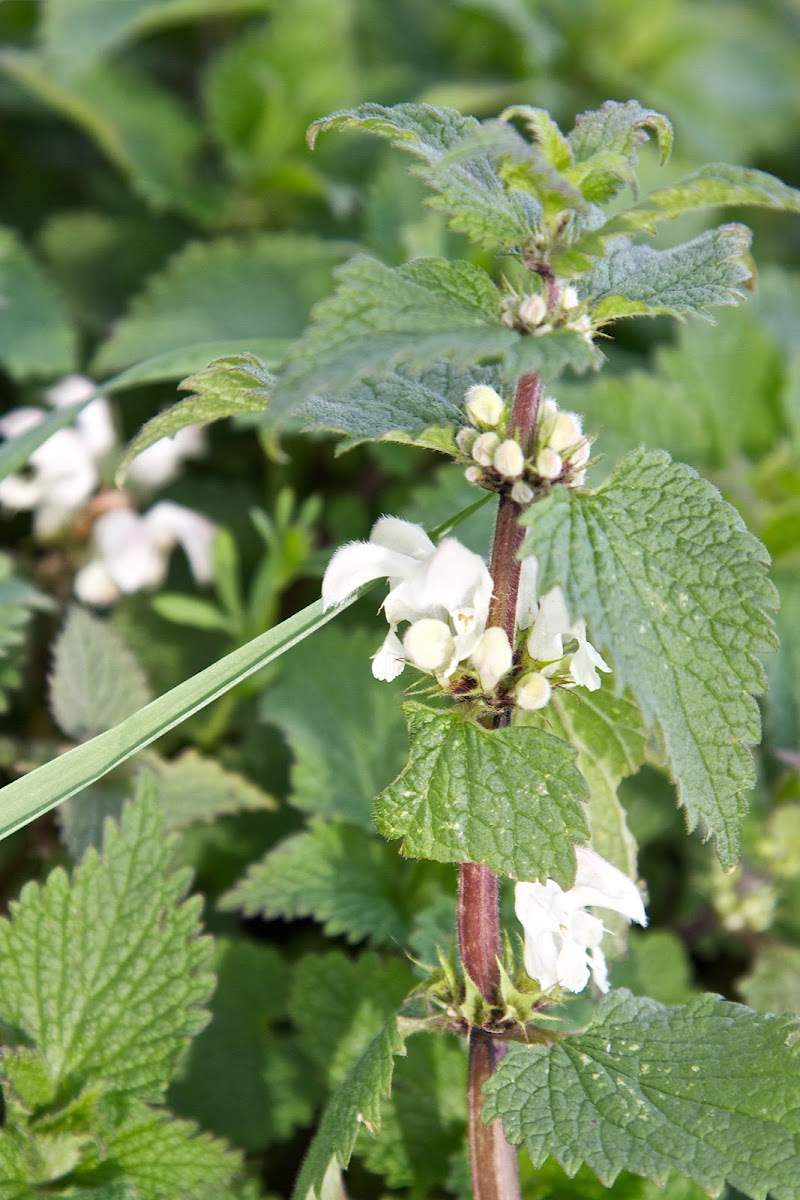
point(94, 423)
point(532, 310)
point(429, 644)
point(484, 406)
point(160, 463)
point(552, 625)
point(492, 657)
point(447, 583)
point(534, 691)
point(509, 459)
point(586, 661)
point(484, 448)
point(549, 464)
point(563, 942)
point(62, 475)
point(132, 551)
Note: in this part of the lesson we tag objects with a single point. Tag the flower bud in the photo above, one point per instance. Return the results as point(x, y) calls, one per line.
point(566, 431)
point(549, 464)
point(580, 456)
point(578, 479)
point(465, 439)
point(570, 298)
point(429, 644)
point(473, 474)
point(548, 411)
point(484, 405)
point(534, 691)
point(532, 310)
point(484, 448)
point(509, 459)
point(492, 657)
point(521, 493)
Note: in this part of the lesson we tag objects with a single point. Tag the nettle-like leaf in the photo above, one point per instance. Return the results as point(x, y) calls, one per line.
point(685, 280)
point(711, 1089)
point(342, 876)
point(193, 787)
point(235, 289)
point(36, 338)
point(96, 681)
point(104, 973)
point(417, 408)
point(346, 731)
point(357, 1101)
point(675, 589)
point(605, 144)
point(18, 602)
point(471, 191)
point(228, 387)
point(433, 308)
point(509, 798)
point(713, 185)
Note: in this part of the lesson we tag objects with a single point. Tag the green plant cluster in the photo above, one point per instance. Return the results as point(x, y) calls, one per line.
point(217, 979)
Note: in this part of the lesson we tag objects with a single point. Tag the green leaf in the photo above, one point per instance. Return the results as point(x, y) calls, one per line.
point(782, 716)
point(713, 185)
point(44, 788)
point(341, 876)
point(675, 589)
point(104, 972)
point(227, 387)
point(357, 1101)
point(381, 317)
point(339, 1004)
point(614, 132)
point(154, 141)
point(509, 798)
point(343, 726)
point(164, 1159)
point(710, 1089)
point(78, 31)
point(686, 280)
point(657, 966)
point(423, 1122)
point(193, 788)
point(773, 982)
point(18, 601)
point(230, 1084)
point(416, 408)
point(96, 681)
point(36, 338)
point(609, 735)
point(470, 191)
point(230, 288)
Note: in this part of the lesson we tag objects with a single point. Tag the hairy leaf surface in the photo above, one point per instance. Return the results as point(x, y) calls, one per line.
point(675, 589)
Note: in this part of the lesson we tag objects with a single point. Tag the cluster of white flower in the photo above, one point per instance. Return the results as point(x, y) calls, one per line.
point(531, 314)
point(131, 552)
point(559, 450)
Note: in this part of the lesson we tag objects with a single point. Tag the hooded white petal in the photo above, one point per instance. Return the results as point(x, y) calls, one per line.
point(358, 563)
point(128, 551)
point(403, 536)
point(168, 523)
point(552, 625)
point(160, 463)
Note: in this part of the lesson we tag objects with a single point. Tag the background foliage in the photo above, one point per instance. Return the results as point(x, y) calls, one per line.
point(159, 202)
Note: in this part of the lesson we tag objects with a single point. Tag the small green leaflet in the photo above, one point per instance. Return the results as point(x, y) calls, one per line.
point(105, 973)
point(711, 1089)
point(342, 876)
point(356, 1101)
point(686, 280)
point(380, 317)
point(509, 798)
point(227, 387)
point(96, 681)
point(618, 129)
point(193, 787)
point(470, 190)
point(675, 589)
point(713, 185)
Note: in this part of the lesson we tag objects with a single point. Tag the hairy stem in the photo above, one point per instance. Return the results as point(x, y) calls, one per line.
point(493, 1162)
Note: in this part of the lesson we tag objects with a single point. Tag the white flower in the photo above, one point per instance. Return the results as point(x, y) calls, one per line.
point(446, 583)
point(492, 657)
point(160, 463)
point(586, 661)
point(532, 310)
point(563, 942)
point(484, 447)
point(484, 406)
point(509, 459)
point(429, 644)
point(94, 423)
point(132, 551)
point(534, 691)
point(552, 625)
point(551, 628)
point(548, 463)
point(570, 297)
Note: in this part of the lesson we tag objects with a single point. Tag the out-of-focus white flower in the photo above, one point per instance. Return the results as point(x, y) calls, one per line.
point(532, 310)
point(94, 423)
point(132, 551)
point(570, 297)
point(484, 406)
point(446, 583)
point(160, 463)
point(563, 942)
point(492, 657)
point(509, 459)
